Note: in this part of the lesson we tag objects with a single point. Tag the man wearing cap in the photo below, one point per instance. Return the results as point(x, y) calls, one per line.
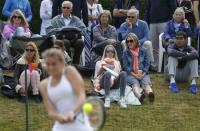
point(182, 63)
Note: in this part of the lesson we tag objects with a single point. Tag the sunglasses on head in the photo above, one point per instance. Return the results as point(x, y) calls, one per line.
point(66, 8)
point(129, 41)
point(131, 17)
point(17, 17)
point(30, 50)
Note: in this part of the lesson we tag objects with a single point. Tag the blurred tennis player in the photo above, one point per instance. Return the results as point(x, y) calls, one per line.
point(63, 94)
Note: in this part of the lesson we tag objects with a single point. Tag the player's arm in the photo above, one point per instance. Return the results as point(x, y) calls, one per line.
point(48, 104)
point(78, 86)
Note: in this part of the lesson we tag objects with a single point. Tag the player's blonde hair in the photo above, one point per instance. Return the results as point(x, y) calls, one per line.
point(54, 53)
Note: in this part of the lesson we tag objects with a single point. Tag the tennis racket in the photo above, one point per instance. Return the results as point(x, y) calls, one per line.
point(93, 110)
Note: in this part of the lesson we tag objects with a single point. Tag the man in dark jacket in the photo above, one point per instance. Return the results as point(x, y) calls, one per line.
point(80, 9)
point(182, 63)
point(157, 14)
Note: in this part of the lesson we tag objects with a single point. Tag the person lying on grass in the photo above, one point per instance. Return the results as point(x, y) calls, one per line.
point(108, 75)
point(182, 63)
point(136, 63)
point(30, 60)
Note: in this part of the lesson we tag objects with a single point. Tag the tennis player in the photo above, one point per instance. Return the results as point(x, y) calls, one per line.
point(63, 94)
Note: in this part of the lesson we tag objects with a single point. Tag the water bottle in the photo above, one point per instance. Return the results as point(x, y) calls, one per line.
point(19, 31)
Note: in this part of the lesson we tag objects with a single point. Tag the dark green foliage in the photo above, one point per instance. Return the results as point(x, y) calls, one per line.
point(35, 4)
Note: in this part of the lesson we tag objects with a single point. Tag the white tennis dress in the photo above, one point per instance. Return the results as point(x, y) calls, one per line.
point(63, 97)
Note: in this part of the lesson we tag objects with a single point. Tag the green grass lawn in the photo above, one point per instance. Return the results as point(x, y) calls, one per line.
point(170, 112)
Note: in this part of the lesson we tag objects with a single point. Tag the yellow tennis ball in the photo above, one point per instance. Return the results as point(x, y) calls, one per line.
point(87, 108)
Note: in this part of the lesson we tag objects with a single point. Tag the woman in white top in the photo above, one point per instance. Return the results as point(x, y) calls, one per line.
point(45, 15)
point(94, 9)
point(63, 94)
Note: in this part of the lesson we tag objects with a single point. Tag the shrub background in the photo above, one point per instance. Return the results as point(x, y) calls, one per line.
point(35, 5)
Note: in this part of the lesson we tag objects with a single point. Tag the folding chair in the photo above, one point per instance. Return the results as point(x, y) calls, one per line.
point(19, 44)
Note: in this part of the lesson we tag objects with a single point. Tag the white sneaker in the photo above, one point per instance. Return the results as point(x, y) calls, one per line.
point(122, 103)
point(107, 103)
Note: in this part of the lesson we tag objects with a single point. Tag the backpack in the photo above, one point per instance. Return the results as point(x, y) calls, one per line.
point(8, 88)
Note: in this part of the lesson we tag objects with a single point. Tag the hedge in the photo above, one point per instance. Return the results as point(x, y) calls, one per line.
point(35, 4)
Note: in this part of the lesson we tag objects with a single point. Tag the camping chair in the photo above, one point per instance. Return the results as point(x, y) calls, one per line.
point(19, 44)
point(162, 51)
point(71, 33)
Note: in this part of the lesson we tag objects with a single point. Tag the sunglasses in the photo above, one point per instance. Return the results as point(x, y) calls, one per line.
point(129, 41)
point(66, 8)
point(30, 50)
point(17, 17)
point(110, 51)
point(131, 17)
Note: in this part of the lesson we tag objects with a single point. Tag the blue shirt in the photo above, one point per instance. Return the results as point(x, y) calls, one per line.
point(140, 29)
point(23, 5)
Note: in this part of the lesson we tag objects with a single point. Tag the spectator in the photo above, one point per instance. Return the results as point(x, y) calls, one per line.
point(182, 63)
point(45, 15)
point(11, 5)
point(80, 9)
point(136, 63)
point(106, 79)
point(67, 19)
point(187, 6)
point(121, 8)
point(58, 44)
point(17, 26)
point(104, 34)
point(140, 28)
point(94, 10)
point(31, 59)
point(158, 12)
point(178, 23)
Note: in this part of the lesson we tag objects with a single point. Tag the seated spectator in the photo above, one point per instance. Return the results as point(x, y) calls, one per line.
point(140, 28)
point(136, 63)
point(182, 63)
point(105, 79)
point(58, 44)
point(45, 15)
point(80, 9)
point(17, 26)
point(64, 20)
point(104, 34)
point(178, 23)
point(121, 8)
point(29, 59)
point(11, 5)
point(94, 9)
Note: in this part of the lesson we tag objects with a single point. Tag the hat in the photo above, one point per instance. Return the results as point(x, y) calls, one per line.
point(181, 34)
